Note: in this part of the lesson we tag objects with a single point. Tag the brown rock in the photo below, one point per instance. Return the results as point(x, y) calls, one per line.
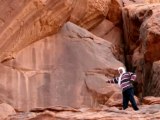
point(145, 21)
point(24, 22)
point(115, 100)
point(150, 35)
point(142, 40)
point(108, 31)
point(103, 28)
point(150, 112)
point(44, 116)
point(151, 100)
point(89, 13)
point(115, 12)
point(153, 85)
point(129, 2)
point(52, 71)
point(101, 92)
point(22, 26)
point(6, 110)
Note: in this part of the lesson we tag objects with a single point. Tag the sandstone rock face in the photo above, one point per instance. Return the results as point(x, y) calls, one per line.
point(149, 112)
point(88, 13)
point(142, 39)
point(53, 71)
point(150, 34)
point(102, 92)
point(145, 20)
point(108, 31)
point(6, 110)
point(20, 26)
point(110, 28)
point(115, 12)
point(153, 84)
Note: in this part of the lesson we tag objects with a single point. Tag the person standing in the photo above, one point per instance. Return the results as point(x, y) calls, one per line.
point(125, 82)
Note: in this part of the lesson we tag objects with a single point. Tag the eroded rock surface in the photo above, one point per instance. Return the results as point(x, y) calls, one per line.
point(142, 39)
point(24, 22)
point(6, 110)
point(53, 71)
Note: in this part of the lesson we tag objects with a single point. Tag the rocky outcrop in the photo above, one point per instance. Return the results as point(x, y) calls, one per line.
point(141, 28)
point(89, 13)
point(142, 39)
point(110, 29)
point(25, 22)
point(153, 83)
point(53, 71)
point(115, 12)
point(20, 26)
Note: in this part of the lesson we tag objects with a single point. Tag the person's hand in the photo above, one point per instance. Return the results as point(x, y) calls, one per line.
point(107, 81)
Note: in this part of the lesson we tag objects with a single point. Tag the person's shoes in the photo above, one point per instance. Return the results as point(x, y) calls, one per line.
point(136, 109)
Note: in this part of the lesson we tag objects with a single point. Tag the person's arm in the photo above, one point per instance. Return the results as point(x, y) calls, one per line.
point(133, 76)
point(114, 80)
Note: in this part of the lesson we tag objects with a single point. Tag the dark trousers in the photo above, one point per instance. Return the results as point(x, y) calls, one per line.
point(128, 95)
